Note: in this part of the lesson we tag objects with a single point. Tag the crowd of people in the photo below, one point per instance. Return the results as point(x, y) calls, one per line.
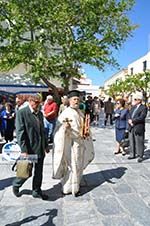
point(37, 123)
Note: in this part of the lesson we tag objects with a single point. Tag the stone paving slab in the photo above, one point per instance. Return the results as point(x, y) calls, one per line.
point(115, 191)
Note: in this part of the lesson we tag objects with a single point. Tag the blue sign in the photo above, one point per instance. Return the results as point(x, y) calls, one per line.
point(11, 151)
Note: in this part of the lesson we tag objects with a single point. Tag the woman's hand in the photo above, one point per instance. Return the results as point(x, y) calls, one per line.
point(117, 115)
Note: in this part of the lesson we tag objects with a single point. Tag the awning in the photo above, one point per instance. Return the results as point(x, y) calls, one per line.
point(15, 89)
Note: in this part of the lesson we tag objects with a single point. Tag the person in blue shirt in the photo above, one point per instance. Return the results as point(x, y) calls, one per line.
point(8, 122)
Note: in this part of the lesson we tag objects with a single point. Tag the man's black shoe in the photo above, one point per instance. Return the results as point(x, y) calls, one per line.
point(39, 195)
point(140, 159)
point(16, 191)
point(131, 157)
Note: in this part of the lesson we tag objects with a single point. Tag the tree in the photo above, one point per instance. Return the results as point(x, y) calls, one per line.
point(137, 82)
point(53, 36)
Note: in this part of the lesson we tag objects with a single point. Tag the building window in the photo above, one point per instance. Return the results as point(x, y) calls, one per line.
point(131, 70)
point(144, 65)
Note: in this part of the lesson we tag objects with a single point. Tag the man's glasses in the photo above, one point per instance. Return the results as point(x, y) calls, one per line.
point(36, 101)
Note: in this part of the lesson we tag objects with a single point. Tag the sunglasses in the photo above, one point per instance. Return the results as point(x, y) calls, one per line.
point(36, 101)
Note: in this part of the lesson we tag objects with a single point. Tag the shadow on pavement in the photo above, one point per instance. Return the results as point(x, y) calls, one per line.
point(94, 180)
point(90, 182)
point(54, 193)
point(4, 183)
point(51, 213)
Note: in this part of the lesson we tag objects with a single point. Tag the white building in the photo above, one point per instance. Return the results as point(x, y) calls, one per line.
point(138, 66)
point(86, 85)
point(117, 76)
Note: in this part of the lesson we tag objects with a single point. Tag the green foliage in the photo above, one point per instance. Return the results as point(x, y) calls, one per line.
point(132, 83)
point(52, 36)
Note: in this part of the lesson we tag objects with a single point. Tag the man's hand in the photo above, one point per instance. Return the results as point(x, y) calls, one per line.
point(66, 123)
point(48, 114)
point(130, 122)
point(24, 155)
point(47, 150)
point(117, 115)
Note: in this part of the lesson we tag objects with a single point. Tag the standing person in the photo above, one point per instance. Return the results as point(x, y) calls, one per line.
point(96, 108)
point(121, 124)
point(2, 108)
point(21, 101)
point(108, 110)
point(64, 104)
point(82, 105)
point(136, 122)
point(101, 103)
point(73, 149)
point(50, 112)
point(31, 138)
point(88, 104)
point(8, 122)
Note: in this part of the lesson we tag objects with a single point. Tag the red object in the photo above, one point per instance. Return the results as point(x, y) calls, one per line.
point(51, 107)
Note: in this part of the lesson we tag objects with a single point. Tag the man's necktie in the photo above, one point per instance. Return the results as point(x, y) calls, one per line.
point(134, 112)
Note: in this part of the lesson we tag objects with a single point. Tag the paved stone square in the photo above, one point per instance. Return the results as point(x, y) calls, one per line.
point(115, 191)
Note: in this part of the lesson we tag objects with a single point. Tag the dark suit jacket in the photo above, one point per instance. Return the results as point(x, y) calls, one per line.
point(108, 107)
point(138, 119)
point(30, 132)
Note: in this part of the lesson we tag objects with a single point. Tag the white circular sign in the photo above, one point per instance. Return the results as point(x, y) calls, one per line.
point(11, 151)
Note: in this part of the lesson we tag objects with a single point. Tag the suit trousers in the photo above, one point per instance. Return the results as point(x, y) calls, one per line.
point(108, 115)
point(136, 144)
point(37, 177)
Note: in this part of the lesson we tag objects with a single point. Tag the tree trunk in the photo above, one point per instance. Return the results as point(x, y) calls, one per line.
point(54, 89)
point(145, 97)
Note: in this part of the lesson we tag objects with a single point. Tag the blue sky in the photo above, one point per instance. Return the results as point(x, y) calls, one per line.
point(134, 48)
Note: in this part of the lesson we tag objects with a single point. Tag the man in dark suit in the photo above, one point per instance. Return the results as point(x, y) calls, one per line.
point(31, 138)
point(108, 110)
point(136, 122)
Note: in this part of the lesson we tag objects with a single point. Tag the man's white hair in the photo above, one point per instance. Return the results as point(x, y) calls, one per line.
point(49, 97)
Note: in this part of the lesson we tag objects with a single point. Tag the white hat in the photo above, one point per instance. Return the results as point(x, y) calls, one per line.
point(49, 97)
point(138, 95)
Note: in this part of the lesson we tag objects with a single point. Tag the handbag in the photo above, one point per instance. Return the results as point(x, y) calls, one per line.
point(24, 169)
